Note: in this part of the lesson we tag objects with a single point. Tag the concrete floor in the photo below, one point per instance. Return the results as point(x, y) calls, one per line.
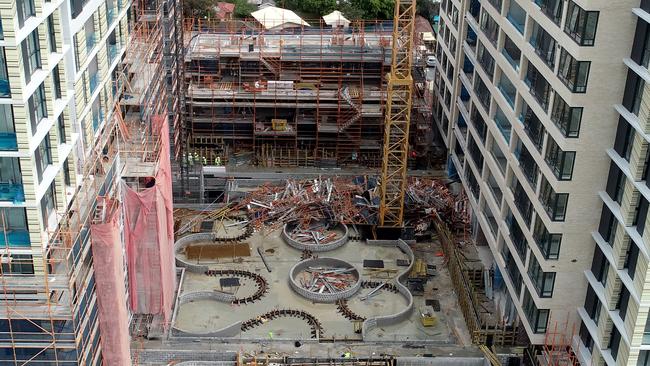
point(206, 315)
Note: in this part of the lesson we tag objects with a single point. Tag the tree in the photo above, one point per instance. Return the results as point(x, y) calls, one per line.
point(316, 8)
point(428, 9)
point(368, 9)
point(198, 8)
point(243, 8)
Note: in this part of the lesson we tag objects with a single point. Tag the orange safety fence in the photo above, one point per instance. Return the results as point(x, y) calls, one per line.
point(111, 292)
point(149, 237)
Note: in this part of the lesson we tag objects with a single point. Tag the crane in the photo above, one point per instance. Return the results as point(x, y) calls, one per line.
point(398, 117)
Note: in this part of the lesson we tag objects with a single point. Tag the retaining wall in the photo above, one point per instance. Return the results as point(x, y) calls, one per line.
point(324, 297)
point(404, 314)
point(315, 247)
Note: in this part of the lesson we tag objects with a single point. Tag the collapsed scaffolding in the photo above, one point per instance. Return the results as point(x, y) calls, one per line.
point(297, 96)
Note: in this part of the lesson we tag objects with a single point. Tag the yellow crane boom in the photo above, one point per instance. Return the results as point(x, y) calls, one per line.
point(398, 117)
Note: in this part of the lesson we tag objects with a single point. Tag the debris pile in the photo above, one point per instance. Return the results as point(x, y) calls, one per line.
point(318, 232)
point(327, 279)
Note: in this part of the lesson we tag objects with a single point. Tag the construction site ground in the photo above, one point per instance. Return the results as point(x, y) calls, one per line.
point(203, 316)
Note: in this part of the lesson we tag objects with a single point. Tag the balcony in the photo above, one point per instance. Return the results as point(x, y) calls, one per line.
point(523, 204)
point(528, 167)
point(539, 87)
point(517, 237)
point(12, 192)
point(544, 45)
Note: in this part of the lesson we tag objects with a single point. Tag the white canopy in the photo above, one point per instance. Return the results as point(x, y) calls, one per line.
point(273, 17)
point(336, 19)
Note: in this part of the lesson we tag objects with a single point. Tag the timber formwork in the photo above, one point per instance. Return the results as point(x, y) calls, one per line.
point(302, 96)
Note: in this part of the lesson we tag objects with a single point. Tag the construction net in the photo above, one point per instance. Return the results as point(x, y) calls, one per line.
point(111, 292)
point(149, 236)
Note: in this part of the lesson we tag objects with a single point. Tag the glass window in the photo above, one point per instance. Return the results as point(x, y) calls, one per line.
point(517, 16)
point(539, 87)
point(644, 357)
point(7, 128)
point(489, 27)
point(544, 45)
point(43, 156)
point(561, 162)
point(25, 10)
point(508, 90)
point(554, 203)
point(549, 244)
point(21, 264)
point(5, 89)
point(573, 73)
point(581, 25)
point(615, 183)
point(37, 107)
point(645, 55)
point(61, 129)
point(483, 93)
point(624, 139)
point(552, 9)
point(566, 118)
point(631, 258)
point(537, 318)
point(532, 125)
point(543, 281)
point(56, 81)
point(48, 204)
point(485, 60)
point(51, 33)
point(31, 50)
point(511, 52)
point(600, 266)
point(607, 226)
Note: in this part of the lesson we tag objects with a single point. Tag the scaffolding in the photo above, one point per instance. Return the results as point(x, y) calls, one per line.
point(297, 96)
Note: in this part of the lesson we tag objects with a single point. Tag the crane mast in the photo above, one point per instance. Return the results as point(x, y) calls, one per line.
point(398, 117)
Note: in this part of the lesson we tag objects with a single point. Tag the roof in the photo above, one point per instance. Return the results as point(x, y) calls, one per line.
point(273, 17)
point(336, 18)
point(226, 7)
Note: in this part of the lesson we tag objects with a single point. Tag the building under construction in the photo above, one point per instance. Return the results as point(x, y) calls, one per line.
point(293, 93)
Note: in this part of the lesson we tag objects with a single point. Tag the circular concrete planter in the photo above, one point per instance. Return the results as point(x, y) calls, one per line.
point(315, 247)
point(323, 297)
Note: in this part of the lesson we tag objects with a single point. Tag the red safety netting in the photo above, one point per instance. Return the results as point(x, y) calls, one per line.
point(111, 292)
point(149, 236)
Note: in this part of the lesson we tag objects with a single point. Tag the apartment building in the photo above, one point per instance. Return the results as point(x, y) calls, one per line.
point(526, 106)
point(59, 66)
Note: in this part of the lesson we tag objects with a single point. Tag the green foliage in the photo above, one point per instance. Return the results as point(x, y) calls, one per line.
point(205, 8)
point(316, 8)
point(243, 8)
point(428, 9)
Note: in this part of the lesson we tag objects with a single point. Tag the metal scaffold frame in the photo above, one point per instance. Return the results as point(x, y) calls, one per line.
point(327, 86)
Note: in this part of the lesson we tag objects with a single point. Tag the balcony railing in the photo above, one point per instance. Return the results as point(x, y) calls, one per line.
point(8, 141)
point(12, 192)
point(5, 89)
point(15, 238)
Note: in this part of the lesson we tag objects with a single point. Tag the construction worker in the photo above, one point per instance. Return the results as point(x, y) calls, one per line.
point(190, 161)
point(205, 161)
point(270, 335)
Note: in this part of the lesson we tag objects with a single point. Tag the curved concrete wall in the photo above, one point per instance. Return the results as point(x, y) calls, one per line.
point(404, 314)
point(206, 295)
point(188, 239)
point(324, 297)
point(231, 330)
point(315, 247)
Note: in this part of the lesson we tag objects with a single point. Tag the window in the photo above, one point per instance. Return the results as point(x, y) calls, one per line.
point(31, 50)
point(643, 57)
point(607, 226)
point(51, 33)
point(489, 27)
point(543, 281)
point(615, 183)
point(517, 16)
point(475, 153)
point(544, 45)
point(66, 173)
point(483, 93)
point(641, 215)
point(634, 89)
point(631, 258)
point(599, 266)
point(485, 60)
point(512, 53)
point(48, 204)
point(614, 342)
point(7, 128)
point(533, 126)
point(624, 139)
point(61, 129)
point(503, 124)
point(644, 358)
point(43, 156)
point(537, 318)
point(522, 202)
point(573, 73)
point(561, 162)
point(566, 118)
point(518, 238)
point(623, 302)
point(479, 123)
point(552, 9)
point(18, 264)
point(586, 337)
point(25, 9)
point(37, 107)
point(56, 80)
point(592, 304)
point(539, 87)
point(508, 90)
point(527, 164)
point(5, 89)
point(549, 244)
point(554, 203)
point(581, 25)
